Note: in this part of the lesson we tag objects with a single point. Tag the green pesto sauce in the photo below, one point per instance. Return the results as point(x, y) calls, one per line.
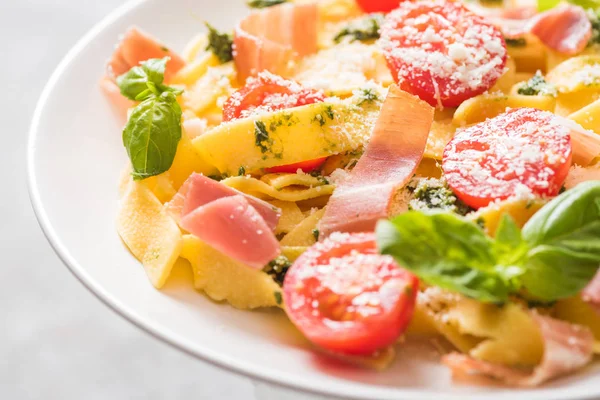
point(434, 194)
point(367, 96)
point(278, 268)
point(537, 86)
point(516, 42)
point(261, 137)
point(363, 29)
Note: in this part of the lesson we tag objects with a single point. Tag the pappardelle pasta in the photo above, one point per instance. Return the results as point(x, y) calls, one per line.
point(379, 170)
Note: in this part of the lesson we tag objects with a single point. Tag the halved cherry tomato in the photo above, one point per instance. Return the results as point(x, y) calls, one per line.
point(371, 6)
point(305, 166)
point(347, 298)
point(268, 92)
point(442, 52)
point(521, 151)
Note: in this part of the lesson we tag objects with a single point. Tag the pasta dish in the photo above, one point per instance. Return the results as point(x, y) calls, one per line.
point(380, 170)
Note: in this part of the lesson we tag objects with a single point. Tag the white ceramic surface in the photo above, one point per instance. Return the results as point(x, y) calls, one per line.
point(75, 157)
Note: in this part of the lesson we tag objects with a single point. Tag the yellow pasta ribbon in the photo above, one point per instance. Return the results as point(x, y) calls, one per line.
point(261, 189)
point(304, 234)
point(149, 233)
point(289, 136)
point(224, 279)
point(482, 107)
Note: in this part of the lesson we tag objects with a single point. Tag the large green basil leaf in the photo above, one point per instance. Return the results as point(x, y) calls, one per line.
point(152, 134)
point(564, 241)
point(565, 215)
point(448, 251)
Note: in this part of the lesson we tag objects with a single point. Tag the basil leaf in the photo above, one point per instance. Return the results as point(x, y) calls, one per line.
point(564, 215)
point(564, 237)
point(554, 273)
point(134, 83)
point(509, 247)
point(264, 3)
point(544, 5)
point(152, 134)
point(446, 251)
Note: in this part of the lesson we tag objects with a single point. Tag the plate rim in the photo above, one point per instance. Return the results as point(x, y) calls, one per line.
point(227, 363)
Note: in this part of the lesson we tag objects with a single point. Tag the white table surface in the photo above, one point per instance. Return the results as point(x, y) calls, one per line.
point(57, 341)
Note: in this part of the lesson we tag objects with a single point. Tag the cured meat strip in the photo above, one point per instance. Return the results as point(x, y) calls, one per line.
point(565, 28)
point(271, 38)
point(591, 294)
point(568, 347)
point(232, 226)
point(136, 46)
point(390, 160)
point(199, 190)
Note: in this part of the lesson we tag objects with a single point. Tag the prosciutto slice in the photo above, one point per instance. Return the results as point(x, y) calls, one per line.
point(390, 160)
point(270, 39)
point(591, 294)
point(199, 190)
point(235, 228)
point(136, 46)
point(568, 347)
point(565, 29)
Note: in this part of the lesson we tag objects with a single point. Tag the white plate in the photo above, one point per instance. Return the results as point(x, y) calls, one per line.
point(75, 158)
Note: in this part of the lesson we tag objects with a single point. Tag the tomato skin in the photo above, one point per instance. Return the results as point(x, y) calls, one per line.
point(347, 298)
point(372, 6)
point(436, 50)
point(268, 92)
point(305, 166)
point(522, 150)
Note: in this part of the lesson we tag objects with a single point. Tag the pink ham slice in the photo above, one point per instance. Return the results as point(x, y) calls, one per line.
point(234, 227)
point(586, 144)
point(270, 39)
point(136, 46)
point(591, 294)
point(568, 347)
point(199, 190)
point(565, 29)
point(390, 160)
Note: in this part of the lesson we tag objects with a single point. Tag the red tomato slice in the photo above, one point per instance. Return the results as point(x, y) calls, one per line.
point(442, 52)
point(523, 151)
point(371, 6)
point(268, 92)
point(305, 166)
point(347, 298)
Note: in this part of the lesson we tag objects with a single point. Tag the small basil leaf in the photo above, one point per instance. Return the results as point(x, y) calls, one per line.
point(152, 134)
point(264, 3)
point(508, 233)
point(509, 247)
point(135, 82)
point(544, 5)
point(447, 251)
